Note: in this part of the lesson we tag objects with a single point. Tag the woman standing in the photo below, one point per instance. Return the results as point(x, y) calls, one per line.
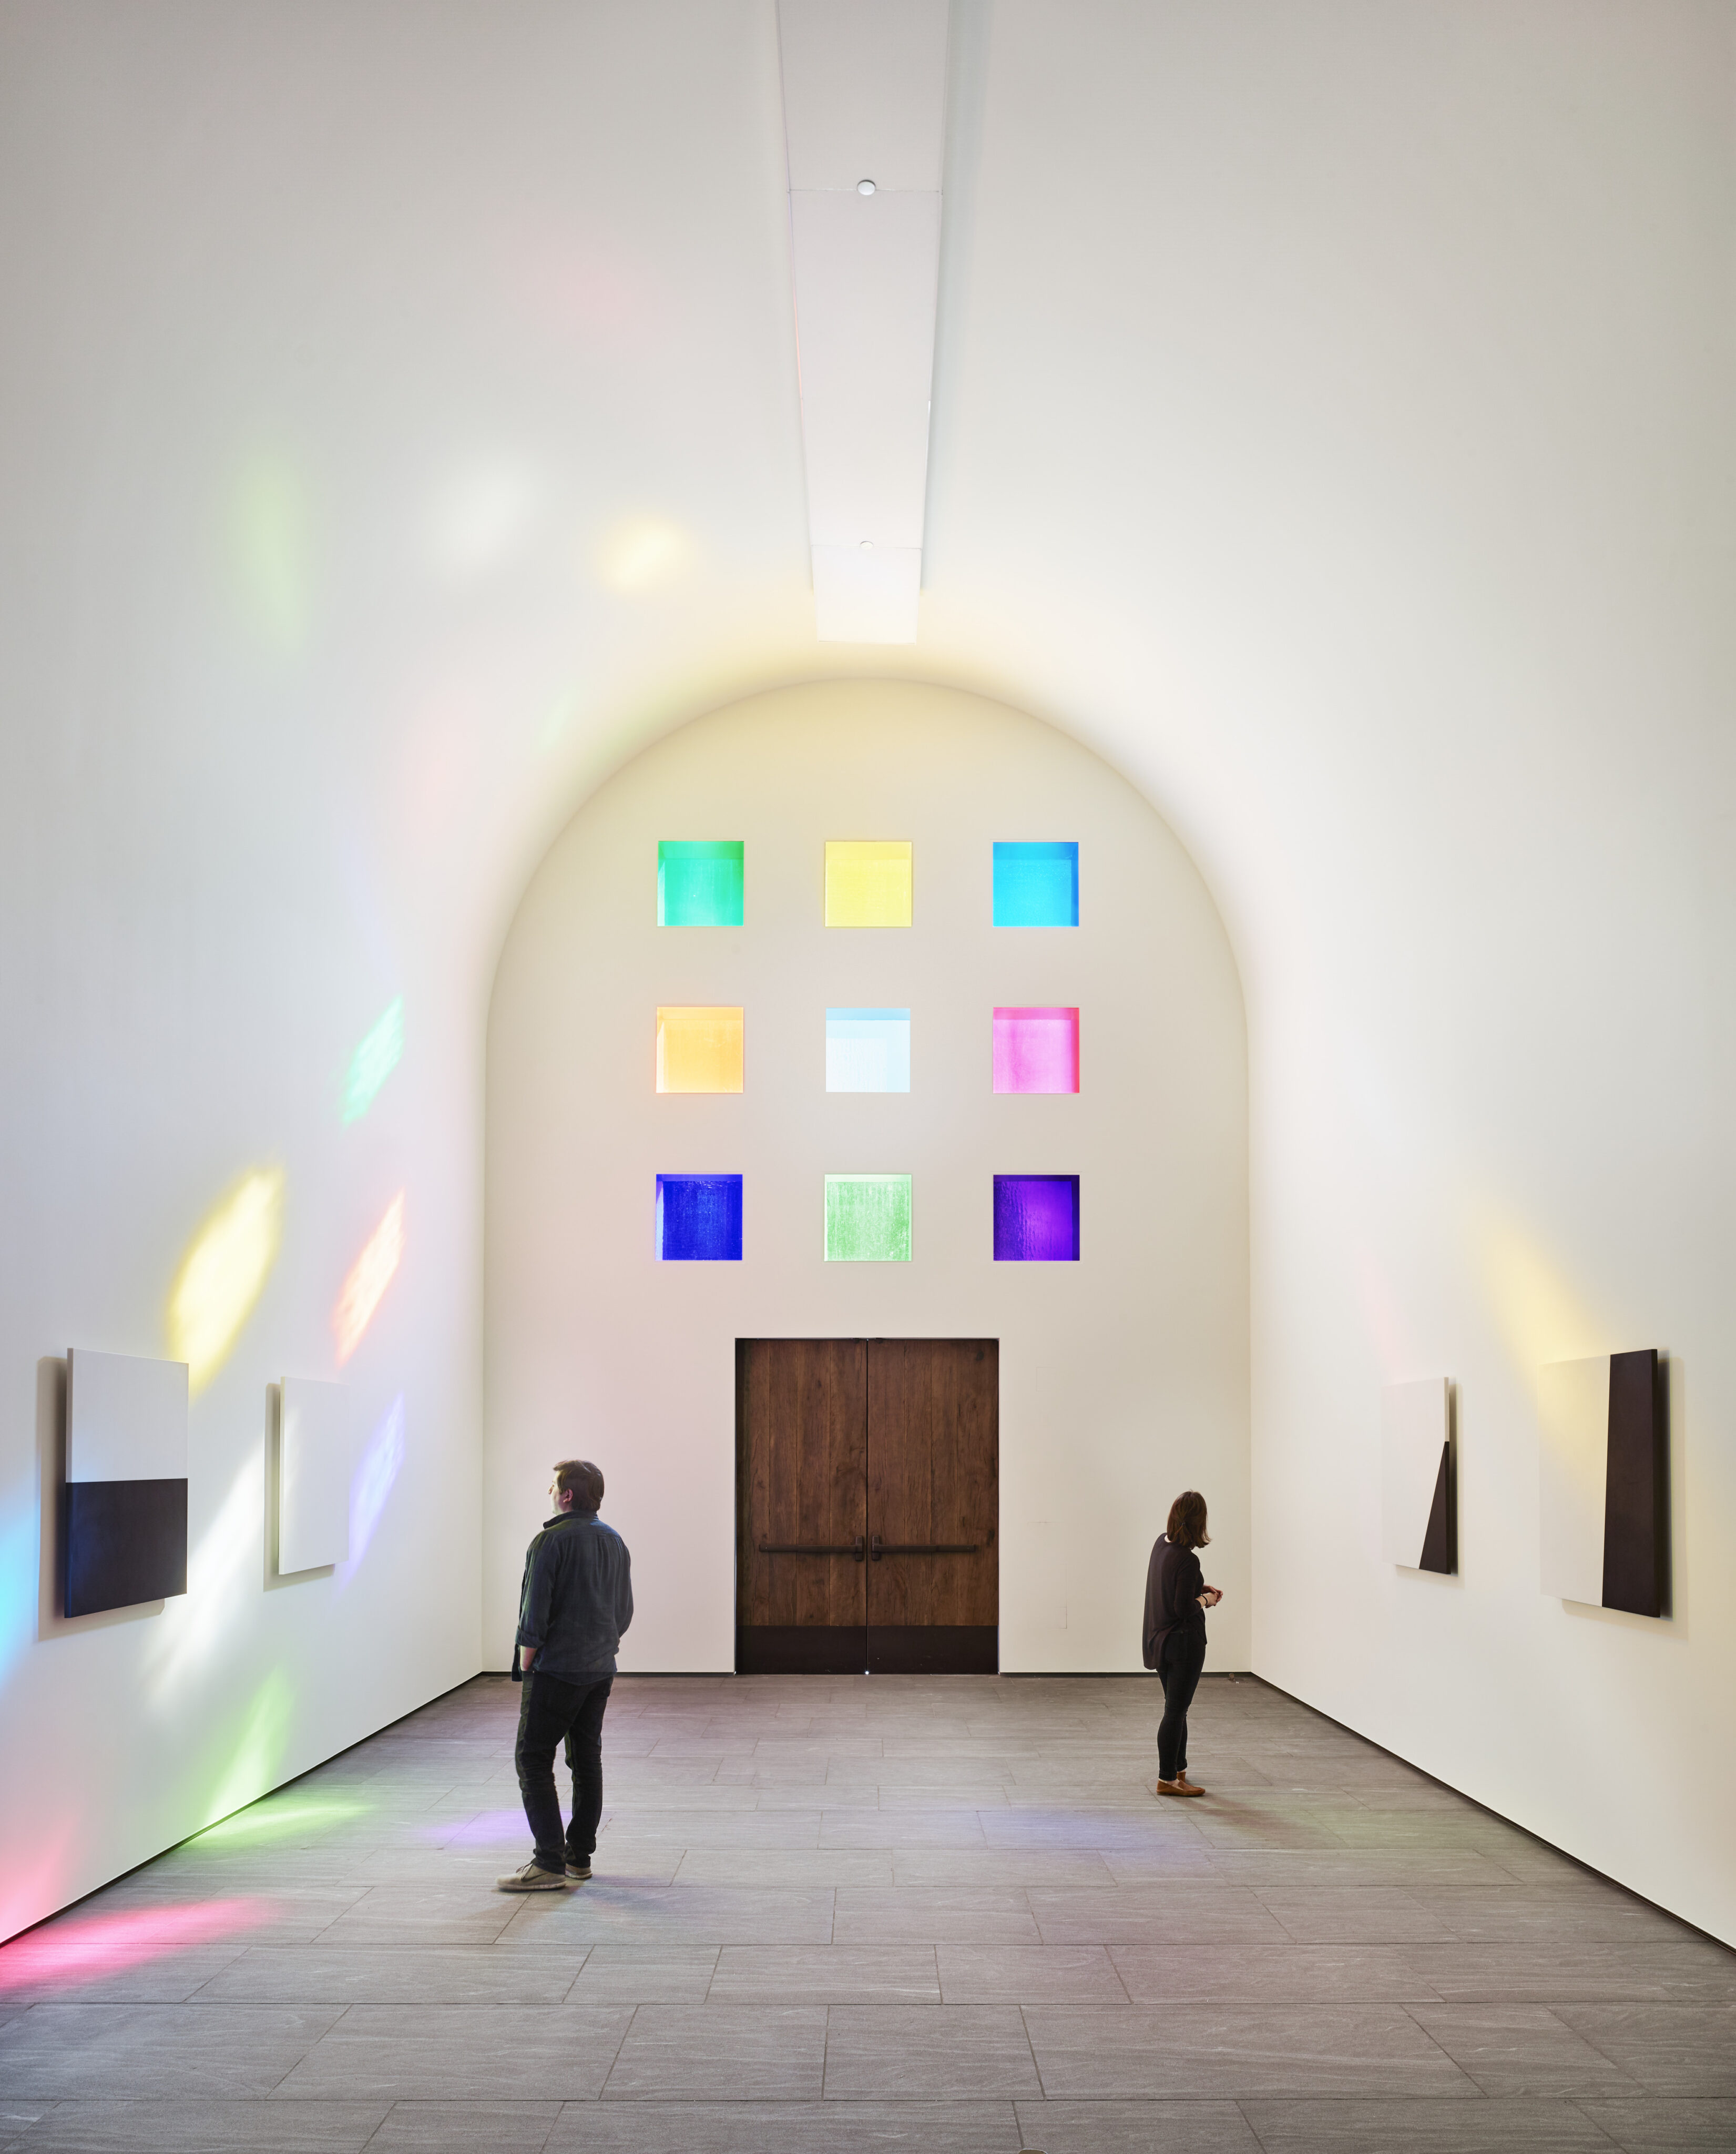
point(1176, 1599)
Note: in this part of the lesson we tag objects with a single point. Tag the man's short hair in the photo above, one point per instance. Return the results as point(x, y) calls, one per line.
point(583, 1479)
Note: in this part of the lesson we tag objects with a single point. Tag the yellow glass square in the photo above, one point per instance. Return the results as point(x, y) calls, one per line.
point(867, 882)
point(699, 1049)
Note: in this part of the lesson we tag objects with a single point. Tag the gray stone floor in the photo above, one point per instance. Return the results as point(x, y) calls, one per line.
point(889, 1913)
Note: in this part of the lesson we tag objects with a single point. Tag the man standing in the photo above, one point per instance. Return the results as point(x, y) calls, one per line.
point(576, 1601)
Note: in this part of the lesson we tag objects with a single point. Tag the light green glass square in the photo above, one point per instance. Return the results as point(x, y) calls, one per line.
point(699, 882)
point(867, 1218)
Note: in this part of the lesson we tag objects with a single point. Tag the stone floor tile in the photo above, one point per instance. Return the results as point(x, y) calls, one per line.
point(927, 1915)
point(1233, 2051)
point(1000, 1870)
point(1338, 1915)
point(1028, 1974)
point(826, 1974)
point(1672, 2125)
point(1292, 1974)
point(1136, 2127)
point(1669, 2049)
point(196, 2126)
point(881, 2127)
point(947, 2052)
point(644, 1974)
point(86, 2051)
point(1520, 2048)
point(903, 1827)
point(1692, 1971)
point(1185, 1913)
point(1520, 2126)
point(794, 1869)
point(465, 2127)
point(622, 1911)
point(721, 2053)
point(375, 1975)
point(459, 2053)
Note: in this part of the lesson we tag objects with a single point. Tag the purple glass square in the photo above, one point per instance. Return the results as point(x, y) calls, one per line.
point(1037, 1218)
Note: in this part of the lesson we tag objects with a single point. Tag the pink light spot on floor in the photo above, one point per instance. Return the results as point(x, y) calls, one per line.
point(73, 1951)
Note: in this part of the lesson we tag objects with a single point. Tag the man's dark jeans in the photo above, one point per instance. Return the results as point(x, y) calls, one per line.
point(548, 1711)
point(1183, 1658)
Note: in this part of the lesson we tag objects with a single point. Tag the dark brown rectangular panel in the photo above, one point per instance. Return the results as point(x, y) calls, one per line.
point(1440, 1548)
point(1636, 1506)
point(934, 1649)
point(934, 1484)
point(126, 1542)
point(801, 1417)
point(796, 1650)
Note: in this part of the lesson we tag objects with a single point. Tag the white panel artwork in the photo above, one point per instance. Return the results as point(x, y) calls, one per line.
point(1414, 1431)
point(1573, 1400)
point(313, 1471)
point(126, 1418)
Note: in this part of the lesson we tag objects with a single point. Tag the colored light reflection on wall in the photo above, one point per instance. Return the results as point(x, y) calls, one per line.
point(867, 882)
point(223, 1274)
point(1036, 1050)
point(76, 1950)
point(372, 1274)
point(1037, 885)
point(701, 882)
point(699, 1218)
point(1037, 1218)
point(640, 553)
point(867, 1051)
point(250, 1765)
point(374, 1480)
point(296, 1817)
point(867, 1218)
point(372, 1062)
point(700, 1049)
point(270, 537)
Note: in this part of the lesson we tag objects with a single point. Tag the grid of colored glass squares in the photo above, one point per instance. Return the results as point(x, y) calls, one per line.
point(867, 1218)
point(1036, 1050)
point(1037, 885)
point(699, 1218)
point(699, 1048)
point(699, 882)
point(867, 882)
point(1037, 1218)
point(867, 1051)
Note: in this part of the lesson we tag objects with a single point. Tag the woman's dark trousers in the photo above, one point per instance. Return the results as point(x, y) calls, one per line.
point(550, 1711)
point(1183, 1658)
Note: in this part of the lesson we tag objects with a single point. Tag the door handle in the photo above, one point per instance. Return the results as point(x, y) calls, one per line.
point(809, 1548)
point(877, 1548)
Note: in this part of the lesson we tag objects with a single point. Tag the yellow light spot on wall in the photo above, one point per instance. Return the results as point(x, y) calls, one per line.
point(370, 1277)
point(1541, 1314)
point(700, 1049)
point(271, 544)
point(867, 882)
point(641, 553)
point(223, 1274)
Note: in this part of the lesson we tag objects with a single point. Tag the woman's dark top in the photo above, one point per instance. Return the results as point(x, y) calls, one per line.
point(1172, 1586)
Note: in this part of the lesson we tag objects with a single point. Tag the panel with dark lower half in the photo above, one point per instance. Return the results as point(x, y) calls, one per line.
point(934, 1454)
point(801, 1521)
point(125, 1498)
point(1603, 1483)
point(1418, 1515)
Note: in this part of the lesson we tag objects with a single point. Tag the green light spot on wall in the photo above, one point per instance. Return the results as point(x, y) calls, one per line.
point(701, 882)
point(272, 1818)
point(372, 1062)
point(867, 1218)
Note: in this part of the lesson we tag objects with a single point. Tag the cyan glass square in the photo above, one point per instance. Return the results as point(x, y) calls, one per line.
point(699, 1218)
point(1037, 885)
point(867, 1051)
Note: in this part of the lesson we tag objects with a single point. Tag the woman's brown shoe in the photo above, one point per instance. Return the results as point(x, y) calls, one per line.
point(1178, 1788)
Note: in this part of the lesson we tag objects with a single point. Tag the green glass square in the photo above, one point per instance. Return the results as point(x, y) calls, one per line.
point(867, 1218)
point(699, 882)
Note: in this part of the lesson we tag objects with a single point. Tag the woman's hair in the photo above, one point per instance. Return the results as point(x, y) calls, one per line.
point(582, 1478)
point(1187, 1520)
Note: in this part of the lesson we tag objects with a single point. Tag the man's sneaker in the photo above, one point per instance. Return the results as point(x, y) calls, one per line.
point(579, 1868)
point(533, 1878)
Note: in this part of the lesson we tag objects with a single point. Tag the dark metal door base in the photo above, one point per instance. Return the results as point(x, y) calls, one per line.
point(934, 1649)
point(801, 1650)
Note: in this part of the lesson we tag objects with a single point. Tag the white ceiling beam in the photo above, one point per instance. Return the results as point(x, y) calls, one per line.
point(864, 124)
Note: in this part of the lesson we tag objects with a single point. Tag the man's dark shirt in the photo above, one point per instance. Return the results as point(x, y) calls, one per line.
point(1173, 1583)
point(576, 1598)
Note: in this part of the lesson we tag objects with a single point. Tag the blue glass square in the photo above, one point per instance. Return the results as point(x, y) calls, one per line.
point(1037, 885)
point(699, 1218)
point(867, 1051)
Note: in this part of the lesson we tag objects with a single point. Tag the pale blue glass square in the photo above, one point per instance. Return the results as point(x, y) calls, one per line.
point(867, 1051)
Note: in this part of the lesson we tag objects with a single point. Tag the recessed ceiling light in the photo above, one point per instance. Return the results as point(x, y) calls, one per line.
point(864, 187)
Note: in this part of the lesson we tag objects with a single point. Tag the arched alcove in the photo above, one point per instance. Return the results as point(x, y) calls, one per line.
point(1124, 1375)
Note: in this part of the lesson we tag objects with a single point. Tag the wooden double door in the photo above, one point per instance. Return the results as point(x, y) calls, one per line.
point(867, 1500)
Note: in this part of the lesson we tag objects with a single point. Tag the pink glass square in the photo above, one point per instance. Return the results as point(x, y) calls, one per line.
point(1036, 1050)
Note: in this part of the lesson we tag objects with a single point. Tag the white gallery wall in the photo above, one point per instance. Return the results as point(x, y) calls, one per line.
point(1122, 1377)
